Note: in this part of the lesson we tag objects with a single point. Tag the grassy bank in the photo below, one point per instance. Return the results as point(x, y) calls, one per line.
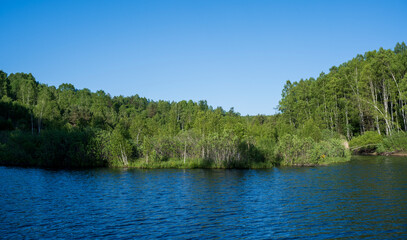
point(195, 163)
point(208, 164)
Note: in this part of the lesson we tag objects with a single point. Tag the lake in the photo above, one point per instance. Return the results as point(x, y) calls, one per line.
point(364, 198)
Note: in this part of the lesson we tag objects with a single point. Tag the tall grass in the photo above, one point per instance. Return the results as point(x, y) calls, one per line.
point(196, 163)
point(293, 150)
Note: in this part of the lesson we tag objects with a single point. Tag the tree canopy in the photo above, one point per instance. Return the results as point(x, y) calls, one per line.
point(63, 126)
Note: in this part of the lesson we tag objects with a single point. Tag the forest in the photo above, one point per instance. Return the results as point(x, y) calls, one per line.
point(362, 101)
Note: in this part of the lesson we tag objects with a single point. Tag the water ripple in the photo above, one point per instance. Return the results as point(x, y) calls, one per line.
point(361, 199)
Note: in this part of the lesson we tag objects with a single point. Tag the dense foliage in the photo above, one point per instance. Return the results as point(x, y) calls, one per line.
point(365, 94)
point(293, 150)
point(367, 142)
point(395, 143)
point(67, 127)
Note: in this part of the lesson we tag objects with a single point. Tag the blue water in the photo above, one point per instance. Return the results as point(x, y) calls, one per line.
point(365, 198)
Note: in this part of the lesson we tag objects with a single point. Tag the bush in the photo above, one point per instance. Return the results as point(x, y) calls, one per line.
point(367, 142)
point(52, 148)
point(18, 148)
point(329, 151)
point(395, 142)
point(293, 150)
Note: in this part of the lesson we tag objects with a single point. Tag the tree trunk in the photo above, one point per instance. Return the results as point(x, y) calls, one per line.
point(185, 151)
point(123, 156)
point(374, 98)
point(386, 107)
point(138, 134)
point(347, 123)
point(403, 114)
point(39, 125)
point(356, 92)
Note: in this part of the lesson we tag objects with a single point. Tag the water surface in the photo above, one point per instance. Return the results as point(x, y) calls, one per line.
point(365, 198)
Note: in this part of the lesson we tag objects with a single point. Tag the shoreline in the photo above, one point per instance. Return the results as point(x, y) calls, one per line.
point(396, 154)
point(191, 164)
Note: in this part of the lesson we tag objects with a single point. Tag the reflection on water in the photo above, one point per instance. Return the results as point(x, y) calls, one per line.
point(363, 198)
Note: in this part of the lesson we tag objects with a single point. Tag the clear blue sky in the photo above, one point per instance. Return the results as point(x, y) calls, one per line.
point(231, 53)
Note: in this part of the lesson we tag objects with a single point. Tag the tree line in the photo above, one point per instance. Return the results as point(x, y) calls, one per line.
point(43, 125)
point(62, 126)
point(367, 93)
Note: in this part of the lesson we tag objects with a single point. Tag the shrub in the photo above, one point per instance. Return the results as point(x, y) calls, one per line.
point(396, 142)
point(293, 150)
point(329, 150)
point(367, 142)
